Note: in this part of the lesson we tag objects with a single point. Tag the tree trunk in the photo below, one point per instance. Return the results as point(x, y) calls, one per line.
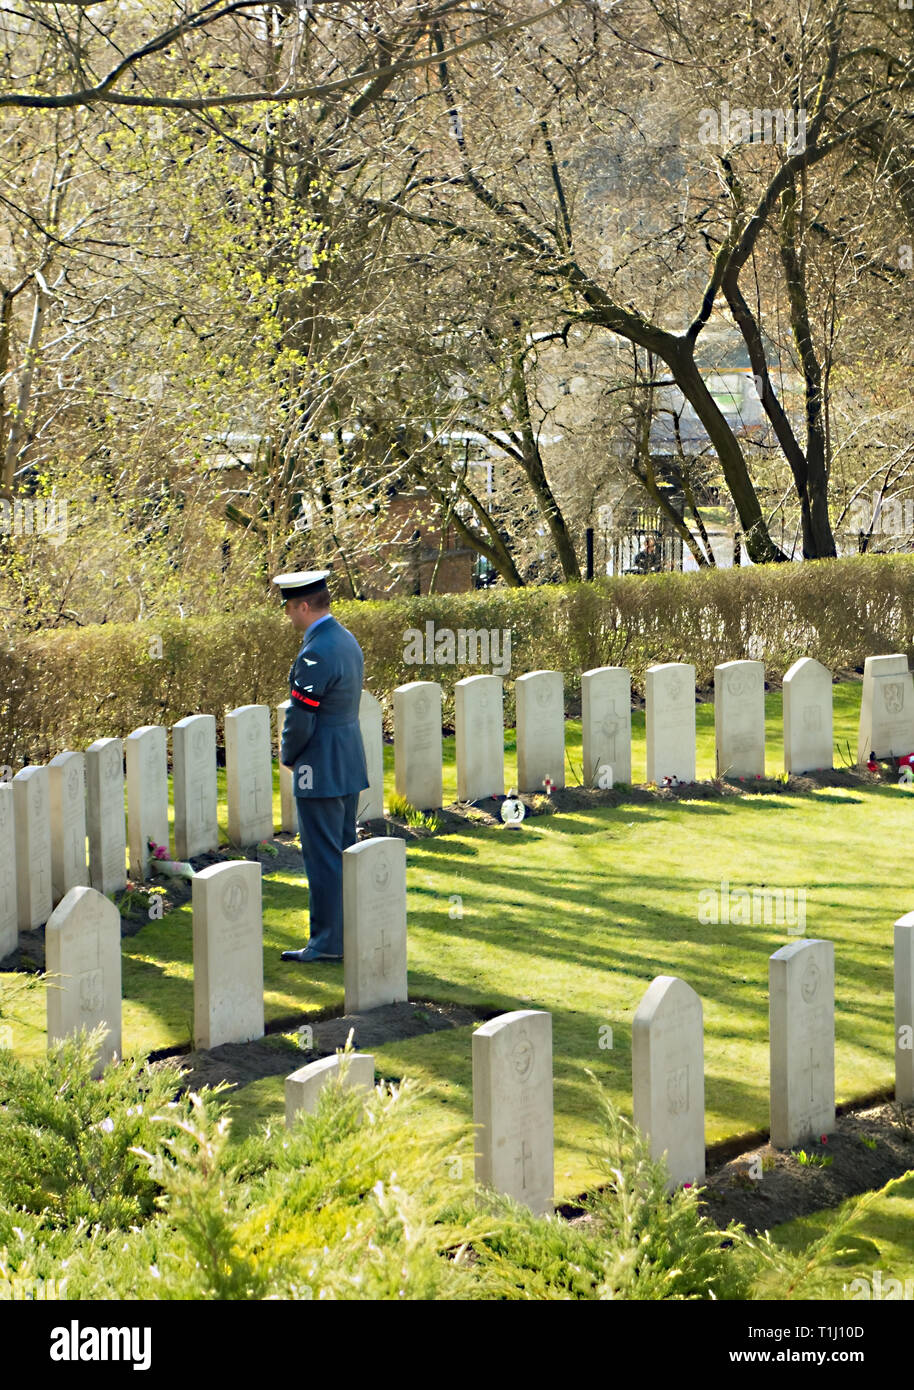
point(6, 323)
point(822, 538)
point(679, 356)
point(783, 430)
point(532, 463)
point(30, 362)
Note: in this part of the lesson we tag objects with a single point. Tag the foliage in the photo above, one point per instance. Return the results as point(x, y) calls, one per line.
point(779, 1273)
point(59, 690)
point(67, 1140)
point(355, 1201)
point(813, 1160)
point(640, 1241)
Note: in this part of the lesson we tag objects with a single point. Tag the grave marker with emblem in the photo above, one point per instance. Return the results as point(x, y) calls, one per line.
point(249, 774)
point(886, 708)
point(801, 1008)
point(147, 795)
point(513, 1108)
point(480, 737)
point(194, 778)
point(374, 923)
point(371, 799)
point(417, 744)
point(228, 954)
point(105, 815)
point(32, 819)
point(670, 722)
point(808, 727)
point(739, 718)
point(67, 788)
point(540, 716)
point(668, 1077)
point(606, 725)
point(83, 955)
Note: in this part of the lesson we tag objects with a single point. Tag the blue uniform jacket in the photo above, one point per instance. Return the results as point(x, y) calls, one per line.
point(321, 737)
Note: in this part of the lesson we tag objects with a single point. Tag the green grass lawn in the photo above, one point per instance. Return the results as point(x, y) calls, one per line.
point(846, 719)
point(576, 914)
point(880, 1237)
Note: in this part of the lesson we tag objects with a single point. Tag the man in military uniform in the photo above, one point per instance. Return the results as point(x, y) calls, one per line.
point(322, 745)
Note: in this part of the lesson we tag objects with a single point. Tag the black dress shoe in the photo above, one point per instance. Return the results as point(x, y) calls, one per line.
point(307, 954)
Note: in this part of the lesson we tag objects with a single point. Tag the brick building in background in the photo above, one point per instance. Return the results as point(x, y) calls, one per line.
point(410, 554)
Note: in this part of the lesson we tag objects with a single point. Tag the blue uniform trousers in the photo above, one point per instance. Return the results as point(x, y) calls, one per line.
point(327, 827)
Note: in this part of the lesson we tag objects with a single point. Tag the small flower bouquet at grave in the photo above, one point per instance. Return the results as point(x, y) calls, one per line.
point(171, 867)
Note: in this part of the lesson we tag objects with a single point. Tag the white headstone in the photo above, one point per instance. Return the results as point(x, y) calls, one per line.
point(147, 795)
point(417, 744)
point(540, 719)
point(105, 815)
point(668, 1076)
point(480, 737)
point(512, 1107)
point(606, 720)
point(904, 1009)
point(886, 708)
point(305, 1085)
point(670, 722)
point(288, 815)
point(808, 736)
point(228, 954)
point(83, 958)
point(32, 817)
point(739, 718)
point(374, 923)
point(801, 994)
point(67, 787)
point(249, 774)
point(193, 743)
point(9, 907)
point(371, 800)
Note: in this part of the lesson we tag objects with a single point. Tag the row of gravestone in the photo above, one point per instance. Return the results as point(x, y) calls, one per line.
point(886, 725)
point(46, 811)
point(512, 1071)
point(83, 949)
point(512, 1056)
point(668, 1052)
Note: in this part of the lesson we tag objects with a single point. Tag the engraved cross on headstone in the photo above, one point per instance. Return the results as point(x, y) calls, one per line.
point(523, 1158)
point(813, 1067)
point(382, 951)
point(201, 804)
point(255, 793)
point(77, 850)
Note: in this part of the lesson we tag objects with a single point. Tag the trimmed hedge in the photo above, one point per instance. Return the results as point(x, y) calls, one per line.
point(64, 688)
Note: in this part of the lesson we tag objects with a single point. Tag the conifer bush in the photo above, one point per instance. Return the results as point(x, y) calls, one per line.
point(67, 1141)
point(117, 1188)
